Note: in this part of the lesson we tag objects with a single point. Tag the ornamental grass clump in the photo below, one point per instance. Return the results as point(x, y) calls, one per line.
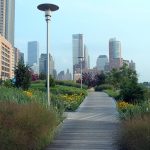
point(135, 134)
point(25, 126)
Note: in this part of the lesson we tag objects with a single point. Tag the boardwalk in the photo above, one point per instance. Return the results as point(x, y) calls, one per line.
point(92, 127)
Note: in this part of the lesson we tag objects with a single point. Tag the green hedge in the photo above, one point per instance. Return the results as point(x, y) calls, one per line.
point(70, 83)
point(103, 87)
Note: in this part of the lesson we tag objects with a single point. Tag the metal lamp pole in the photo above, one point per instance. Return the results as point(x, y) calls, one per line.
point(48, 9)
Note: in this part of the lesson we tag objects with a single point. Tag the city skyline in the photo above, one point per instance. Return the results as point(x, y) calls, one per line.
point(98, 22)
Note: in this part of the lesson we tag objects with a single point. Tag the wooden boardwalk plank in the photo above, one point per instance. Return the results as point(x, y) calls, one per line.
point(92, 127)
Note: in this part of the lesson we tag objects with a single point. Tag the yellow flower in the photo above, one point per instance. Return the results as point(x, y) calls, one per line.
point(28, 93)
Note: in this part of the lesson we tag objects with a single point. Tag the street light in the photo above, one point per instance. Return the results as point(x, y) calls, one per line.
point(81, 58)
point(48, 9)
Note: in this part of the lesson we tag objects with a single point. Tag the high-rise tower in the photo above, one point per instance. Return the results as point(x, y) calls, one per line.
point(33, 53)
point(7, 19)
point(79, 50)
point(115, 60)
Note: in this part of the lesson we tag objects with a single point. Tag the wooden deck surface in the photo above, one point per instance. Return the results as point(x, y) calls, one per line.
point(92, 127)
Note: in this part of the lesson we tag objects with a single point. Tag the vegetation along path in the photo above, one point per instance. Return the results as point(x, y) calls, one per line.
point(92, 127)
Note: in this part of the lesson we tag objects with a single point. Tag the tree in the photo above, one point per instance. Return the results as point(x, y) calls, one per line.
point(22, 76)
point(51, 80)
point(100, 79)
point(42, 76)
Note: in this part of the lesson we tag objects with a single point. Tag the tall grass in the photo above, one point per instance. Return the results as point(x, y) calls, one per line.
point(135, 134)
point(25, 126)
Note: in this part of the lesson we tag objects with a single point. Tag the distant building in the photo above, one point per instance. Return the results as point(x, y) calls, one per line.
point(33, 53)
point(132, 65)
point(115, 60)
point(43, 64)
point(35, 68)
point(102, 63)
point(21, 57)
point(79, 50)
point(68, 75)
point(18, 56)
point(6, 59)
point(7, 19)
point(61, 75)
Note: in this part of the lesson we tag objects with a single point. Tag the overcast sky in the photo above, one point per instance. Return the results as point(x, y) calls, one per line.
point(98, 20)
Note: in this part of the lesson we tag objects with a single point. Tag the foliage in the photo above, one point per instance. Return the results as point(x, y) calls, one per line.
point(51, 81)
point(132, 92)
point(25, 126)
point(42, 76)
point(113, 93)
point(100, 79)
point(22, 76)
point(135, 134)
point(70, 83)
point(72, 102)
point(125, 80)
point(67, 90)
point(87, 79)
point(129, 111)
point(8, 83)
point(103, 87)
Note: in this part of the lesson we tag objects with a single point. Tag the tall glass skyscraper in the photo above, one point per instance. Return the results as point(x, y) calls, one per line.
point(79, 50)
point(115, 60)
point(33, 53)
point(7, 19)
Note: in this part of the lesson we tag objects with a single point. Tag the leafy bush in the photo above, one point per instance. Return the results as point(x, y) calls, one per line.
point(67, 90)
point(135, 134)
point(113, 93)
point(103, 87)
point(129, 111)
point(132, 92)
point(71, 102)
point(51, 82)
point(7, 83)
point(25, 126)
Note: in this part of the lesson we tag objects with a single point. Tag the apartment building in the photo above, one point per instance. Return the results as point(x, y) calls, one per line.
point(6, 59)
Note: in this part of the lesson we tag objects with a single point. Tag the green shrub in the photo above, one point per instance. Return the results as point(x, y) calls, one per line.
point(113, 93)
point(70, 83)
point(135, 134)
point(7, 83)
point(67, 90)
point(25, 127)
point(132, 93)
point(103, 87)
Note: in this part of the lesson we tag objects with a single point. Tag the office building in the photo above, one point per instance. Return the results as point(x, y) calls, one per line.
point(102, 62)
point(132, 65)
point(43, 64)
point(7, 19)
point(115, 60)
point(33, 53)
point(79, 50)
point(21, 56)
point(6, 59)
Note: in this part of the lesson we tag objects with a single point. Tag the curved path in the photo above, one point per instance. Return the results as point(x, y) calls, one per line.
point(92, 127)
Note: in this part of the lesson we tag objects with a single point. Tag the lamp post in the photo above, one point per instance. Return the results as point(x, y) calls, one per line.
point(48, 9)
point(81, 60)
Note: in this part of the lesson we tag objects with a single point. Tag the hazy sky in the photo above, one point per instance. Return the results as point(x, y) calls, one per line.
point(98, 20)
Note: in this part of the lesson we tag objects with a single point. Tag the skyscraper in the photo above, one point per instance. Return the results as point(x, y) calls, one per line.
point(7, 19)
point(79, 50)
point(33, 53)
point(101, 63)
point(43, 64)
point(115, 60)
